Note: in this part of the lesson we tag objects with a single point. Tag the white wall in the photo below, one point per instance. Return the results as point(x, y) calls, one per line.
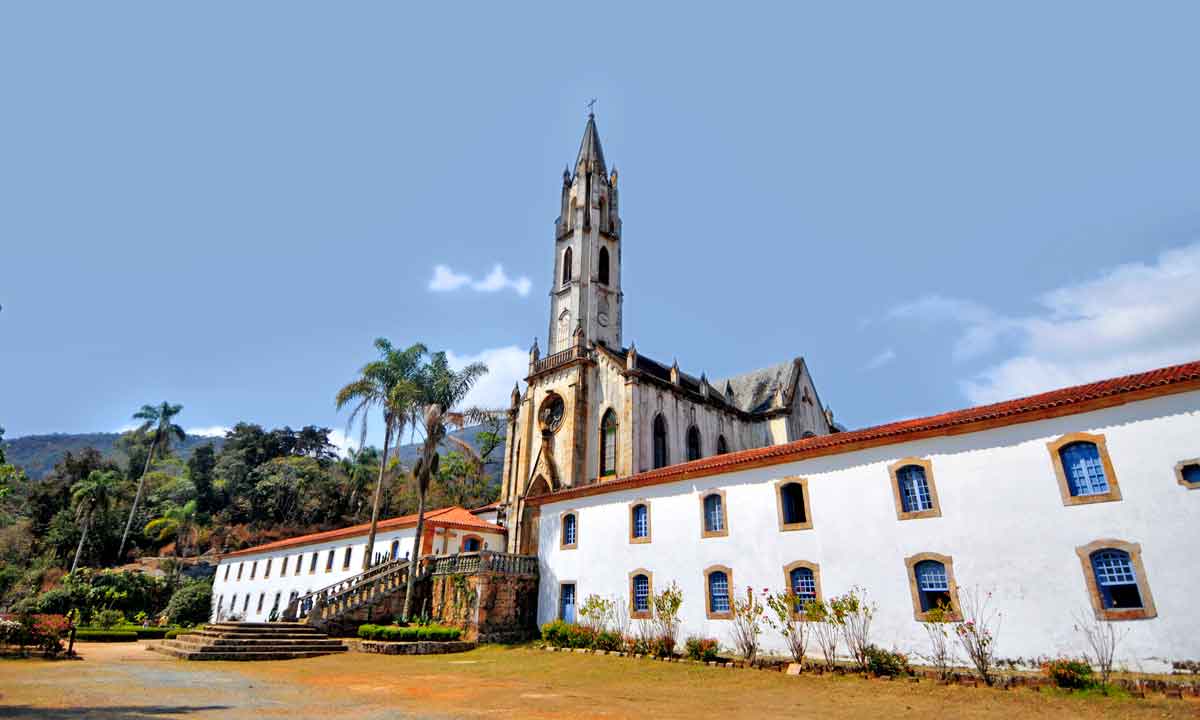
point(1003, 522)
point(224, 590)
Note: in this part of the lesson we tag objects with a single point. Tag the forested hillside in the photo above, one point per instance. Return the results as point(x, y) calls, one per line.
point(38, 454)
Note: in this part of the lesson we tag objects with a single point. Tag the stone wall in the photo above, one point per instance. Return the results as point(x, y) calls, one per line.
point(489, 605)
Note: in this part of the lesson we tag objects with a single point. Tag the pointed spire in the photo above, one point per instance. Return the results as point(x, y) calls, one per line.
point(613, 179)
point(675, 372)
point(591, 155)
point(566, 175)
point(516, 394)
point(534, 353)
point(631, 357)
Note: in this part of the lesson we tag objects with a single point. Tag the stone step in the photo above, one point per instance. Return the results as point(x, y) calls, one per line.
point(268, 625)
point(205, 655)
point(298, 629)
point(239, 650)
point(256, 635)
point(250, 642)
point(240, 647)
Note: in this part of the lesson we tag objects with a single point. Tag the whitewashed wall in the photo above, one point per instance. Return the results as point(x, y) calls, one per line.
point(1003, 522)
point(229, 590)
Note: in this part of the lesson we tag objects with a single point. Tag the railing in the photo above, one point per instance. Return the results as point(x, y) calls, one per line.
point(575, 352)
point(348, 594)
point(484, 561)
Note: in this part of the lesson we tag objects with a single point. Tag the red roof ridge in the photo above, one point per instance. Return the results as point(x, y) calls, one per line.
point(453, 516)
point(1054, 403)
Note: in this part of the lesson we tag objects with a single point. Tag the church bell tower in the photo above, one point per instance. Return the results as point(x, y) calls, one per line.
point(586, 292)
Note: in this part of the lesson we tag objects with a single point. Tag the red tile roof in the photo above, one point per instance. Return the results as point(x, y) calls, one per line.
point(451, 517)
point(1056, 403)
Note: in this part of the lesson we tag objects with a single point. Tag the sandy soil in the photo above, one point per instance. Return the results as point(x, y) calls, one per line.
point(125, 682)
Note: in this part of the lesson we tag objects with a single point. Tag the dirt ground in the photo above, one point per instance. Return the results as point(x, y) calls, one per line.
point(125, 682)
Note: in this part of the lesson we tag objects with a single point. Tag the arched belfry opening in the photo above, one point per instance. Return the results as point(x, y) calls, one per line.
point(602, 273)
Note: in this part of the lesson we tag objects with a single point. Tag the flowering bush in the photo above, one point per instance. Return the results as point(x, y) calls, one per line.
point(747, 623)
point(788, 617)
point(1069, 673)
point(666, 619)
point(854, 615)
point(826, 628)
point(939, 628)
point(703, 649)
point(886, 662)
point(977, 633)
point(11, 632)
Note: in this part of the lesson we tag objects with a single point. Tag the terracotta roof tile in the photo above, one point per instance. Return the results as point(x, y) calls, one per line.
point(1056, 403)
point(454, 517)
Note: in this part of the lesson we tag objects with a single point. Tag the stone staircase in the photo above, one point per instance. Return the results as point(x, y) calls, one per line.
point(250, 641)
point(339, 608)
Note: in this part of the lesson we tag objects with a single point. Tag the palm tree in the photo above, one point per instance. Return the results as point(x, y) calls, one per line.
point(391, 384)
point(94, 494)
point(442, 390)
point(156, 421)
point(177, 522)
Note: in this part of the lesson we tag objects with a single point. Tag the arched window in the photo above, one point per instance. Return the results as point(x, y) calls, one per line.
point(603, 269)
point(227, 571)
point(714, 514)
point(395, 553)
point(791, 497)
point(233, 603)
point(718, 593)
point(1083, 468)
point(240, 566)
point(640, 602)
point(914, 489)
point(246, 604)
point(803, 585)
point(933, 585)
point(608, 444)
point(299, 563)
point(1116, 580)
point(346, 559)
point(312, 566)
point(722, 446)
point(567, 268)
point(267, 569)
point(693, 443)
point(329, 561)
point(660, 442)
point(471, 543)
point(639, 520)
point(569, 530)
point(253, 569)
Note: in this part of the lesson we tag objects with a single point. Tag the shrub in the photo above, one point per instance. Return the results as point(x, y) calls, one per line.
point(886, 662)
point(108, 619)
point(854, 614)
point(555, 633)
point(792, 625)
point(396, 633)
point(47, 631)
point(826, 627)
point(977, 632)
point(579, 636)
point(1069, 673)
point(176, 632)
point(699, 648)
point(147, 633)
point(747, 623)
point(666, 619)
point(608, 640)
point(938, 628)
point(104, 635)
point(191, 603)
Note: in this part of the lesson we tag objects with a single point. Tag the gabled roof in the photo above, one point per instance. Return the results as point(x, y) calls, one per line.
point(757, 390)
point(1056, 403)
point(451, 517)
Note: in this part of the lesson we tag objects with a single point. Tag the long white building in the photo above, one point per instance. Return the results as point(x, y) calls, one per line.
point(1078, 502)
point(252, 583)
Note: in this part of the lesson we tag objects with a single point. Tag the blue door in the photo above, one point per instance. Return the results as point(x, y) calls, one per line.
point(566, 602)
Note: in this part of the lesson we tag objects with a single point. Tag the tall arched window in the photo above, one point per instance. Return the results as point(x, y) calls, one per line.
point(714, 514)
point(566, 269)
point(603, 269)
point(570, 530)
point(693, 443)
point(804, 586)
point(640, 522)
point(718, 592)
point(933, 585)
point(608, 444)
point(722, 446)
point(395, 552)
point(914, 489)
point(1084, 469)
point(641, 595)
point(660, 441)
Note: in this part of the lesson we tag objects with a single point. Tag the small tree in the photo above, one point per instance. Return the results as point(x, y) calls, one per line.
point(789, 618)
point(854, 615)
point(826, 628)
point(747, 624)
point(597, 612)
point(939, 628)
point(666, 618)
point(977, 633)
point(1102, 637)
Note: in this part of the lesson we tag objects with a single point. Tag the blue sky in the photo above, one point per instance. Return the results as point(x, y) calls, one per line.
point(937, 204)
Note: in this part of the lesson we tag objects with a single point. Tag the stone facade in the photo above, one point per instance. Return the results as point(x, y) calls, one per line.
point(555, 427)
point(489, 602)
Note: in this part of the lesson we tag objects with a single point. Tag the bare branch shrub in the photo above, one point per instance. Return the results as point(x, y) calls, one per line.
point(666, 618)
point(747, 624)
point(1102, 637)
point(978, 630)
point(826, 629)
point(939, 628)
point(789, 619)
point(854, 614)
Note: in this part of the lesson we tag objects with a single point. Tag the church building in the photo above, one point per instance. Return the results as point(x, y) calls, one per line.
point(594, 409)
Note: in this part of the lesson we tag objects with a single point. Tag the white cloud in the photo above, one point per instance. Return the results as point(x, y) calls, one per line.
point(213, 431)
point(1131, 318)
point(506, 365)
point(881, 359)
point(343, 442)
point(446, 279)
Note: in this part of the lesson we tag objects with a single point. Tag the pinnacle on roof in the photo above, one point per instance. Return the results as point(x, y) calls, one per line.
point(591, 155)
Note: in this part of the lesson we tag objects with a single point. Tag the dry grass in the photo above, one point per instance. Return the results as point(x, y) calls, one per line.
point(505, 682)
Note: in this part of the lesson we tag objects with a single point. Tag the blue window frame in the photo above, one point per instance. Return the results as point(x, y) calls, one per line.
point(914, 489)
point(1116, 579)
point(641, 521)
point(641, 593)
point(933, 584)
point(569, 530)
point(1084, 469)
point(1190, 473)
point(804, 586)
point(471, 545)
point(718, 592)
point(714, 514)
point(566, 602)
